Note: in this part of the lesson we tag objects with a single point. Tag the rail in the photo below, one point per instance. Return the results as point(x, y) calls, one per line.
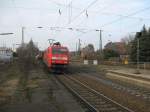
point(86, 103)
point(114, 105)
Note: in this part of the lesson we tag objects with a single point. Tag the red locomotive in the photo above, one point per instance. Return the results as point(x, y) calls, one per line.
point(56, 56)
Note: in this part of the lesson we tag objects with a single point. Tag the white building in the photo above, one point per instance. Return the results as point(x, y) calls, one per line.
point(6, 54)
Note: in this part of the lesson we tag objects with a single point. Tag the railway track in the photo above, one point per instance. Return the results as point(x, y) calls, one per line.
point(95, 101)
point(131, 89)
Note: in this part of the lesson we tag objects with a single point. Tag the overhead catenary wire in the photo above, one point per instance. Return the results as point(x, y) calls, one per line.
point(60, 11)
point(89, 11)
point(78, 29)
point(120, 15)
point(81, 30)
point(123, 17)
point(59, 4)
point(92, 3)
point(64, 5)
point(85, 10)
point(67, 6)
point(87, 15)
point(69, 11)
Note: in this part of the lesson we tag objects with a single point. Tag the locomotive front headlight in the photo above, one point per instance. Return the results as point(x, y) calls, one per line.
point(59, 58)
point(65, 58)
point(54, 58)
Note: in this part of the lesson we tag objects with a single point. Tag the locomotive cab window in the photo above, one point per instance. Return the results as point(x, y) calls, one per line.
point(59, 51)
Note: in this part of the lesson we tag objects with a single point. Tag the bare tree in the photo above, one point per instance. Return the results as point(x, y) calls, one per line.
point(128, 42)
point(27, 53)
point(88, 52)
point(127, 39)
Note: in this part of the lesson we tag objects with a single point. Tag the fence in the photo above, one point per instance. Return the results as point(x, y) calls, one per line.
point(142, 65)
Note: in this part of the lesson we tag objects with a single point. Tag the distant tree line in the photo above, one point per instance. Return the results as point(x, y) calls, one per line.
point(144, 46)
point(128, 44)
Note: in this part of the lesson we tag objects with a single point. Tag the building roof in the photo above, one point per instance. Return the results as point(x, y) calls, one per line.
point(117, 46)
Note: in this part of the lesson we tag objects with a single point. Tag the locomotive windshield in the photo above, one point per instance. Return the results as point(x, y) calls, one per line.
point(59, 51)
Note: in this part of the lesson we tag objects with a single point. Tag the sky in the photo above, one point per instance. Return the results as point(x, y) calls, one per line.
point(68, 21)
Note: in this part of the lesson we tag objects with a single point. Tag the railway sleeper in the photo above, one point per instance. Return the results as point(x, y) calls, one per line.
point(112, 109)
point(105, 105)
point(101, 104)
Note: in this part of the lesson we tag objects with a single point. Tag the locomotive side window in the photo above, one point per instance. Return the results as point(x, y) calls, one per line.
point(59, 51)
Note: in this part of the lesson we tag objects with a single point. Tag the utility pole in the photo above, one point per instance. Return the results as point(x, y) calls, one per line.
point(13, 47)
point(76, 49)
point(79, 46)
point(22, 41)
point(100, 40)
point(138, 54)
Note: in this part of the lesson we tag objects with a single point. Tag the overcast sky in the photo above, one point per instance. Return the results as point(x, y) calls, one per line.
point(117, 19)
